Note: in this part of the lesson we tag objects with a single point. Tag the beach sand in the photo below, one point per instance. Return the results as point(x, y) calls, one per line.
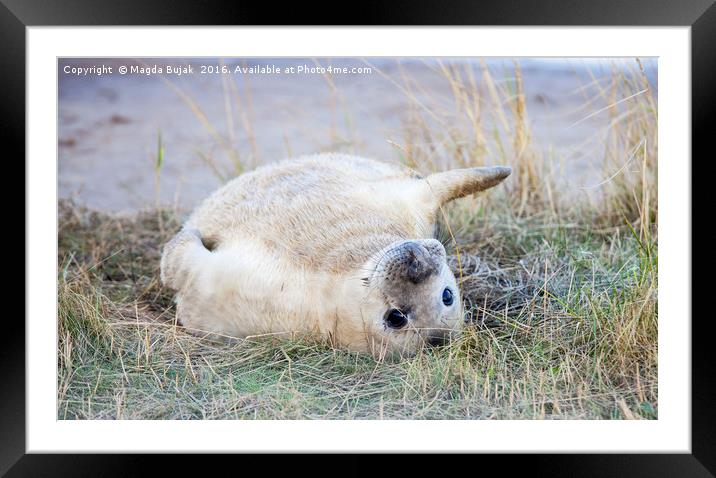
point(109, 125)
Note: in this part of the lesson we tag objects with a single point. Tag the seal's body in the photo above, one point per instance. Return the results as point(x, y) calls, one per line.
point(331, 244)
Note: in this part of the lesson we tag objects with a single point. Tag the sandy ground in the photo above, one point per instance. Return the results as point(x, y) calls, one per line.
point(109, 125)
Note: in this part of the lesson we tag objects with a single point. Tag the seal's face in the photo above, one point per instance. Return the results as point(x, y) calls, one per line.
point(411, 296)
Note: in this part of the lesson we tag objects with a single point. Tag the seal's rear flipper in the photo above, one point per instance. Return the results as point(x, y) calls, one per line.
point(179, 257)
point(449, 185)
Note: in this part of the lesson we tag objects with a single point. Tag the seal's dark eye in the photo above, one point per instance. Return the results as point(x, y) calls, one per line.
point(447, 296)
point(395, 319)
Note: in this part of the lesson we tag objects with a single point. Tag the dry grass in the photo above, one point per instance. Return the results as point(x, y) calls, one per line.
point(562, 293)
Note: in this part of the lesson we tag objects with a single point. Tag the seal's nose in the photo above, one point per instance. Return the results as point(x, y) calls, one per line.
point(419, 265)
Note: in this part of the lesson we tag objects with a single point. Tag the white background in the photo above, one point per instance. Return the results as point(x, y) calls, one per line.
point(671, 432)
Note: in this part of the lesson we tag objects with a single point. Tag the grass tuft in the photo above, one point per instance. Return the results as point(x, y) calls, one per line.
point(564, 327)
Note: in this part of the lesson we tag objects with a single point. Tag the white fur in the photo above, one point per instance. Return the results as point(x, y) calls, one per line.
point(300, 246)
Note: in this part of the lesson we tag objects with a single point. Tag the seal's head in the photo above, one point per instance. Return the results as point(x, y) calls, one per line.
point(411, 297)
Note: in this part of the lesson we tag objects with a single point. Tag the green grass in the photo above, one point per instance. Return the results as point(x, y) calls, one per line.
point(562, 291)
point(565, 327)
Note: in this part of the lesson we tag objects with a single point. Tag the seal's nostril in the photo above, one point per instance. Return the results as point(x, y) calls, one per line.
point(419, 264)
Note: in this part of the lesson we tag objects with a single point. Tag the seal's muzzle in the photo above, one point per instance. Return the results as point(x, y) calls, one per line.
point(413, 262)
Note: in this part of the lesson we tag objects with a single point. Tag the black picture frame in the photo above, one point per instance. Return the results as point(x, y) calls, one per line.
point(700, 15)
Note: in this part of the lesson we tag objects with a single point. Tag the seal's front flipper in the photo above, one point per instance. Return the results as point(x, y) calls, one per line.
point(449, 185)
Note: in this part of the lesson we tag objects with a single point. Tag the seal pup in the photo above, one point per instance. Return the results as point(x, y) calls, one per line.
point(332, 244)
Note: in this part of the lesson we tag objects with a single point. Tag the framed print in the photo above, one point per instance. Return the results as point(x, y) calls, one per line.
point(384, 236)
